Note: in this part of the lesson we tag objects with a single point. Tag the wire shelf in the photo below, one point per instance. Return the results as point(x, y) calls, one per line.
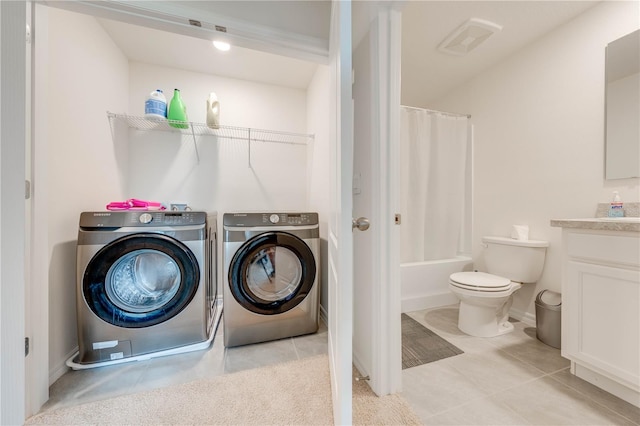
point(198, 129)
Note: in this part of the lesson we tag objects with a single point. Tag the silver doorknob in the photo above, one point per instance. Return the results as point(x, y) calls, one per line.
point(362, 223)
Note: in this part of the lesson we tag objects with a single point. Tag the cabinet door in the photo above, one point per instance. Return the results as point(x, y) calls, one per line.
point(601, 306)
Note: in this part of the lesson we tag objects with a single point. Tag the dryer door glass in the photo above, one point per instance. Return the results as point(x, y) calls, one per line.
point(142, 281)
point(274, 273)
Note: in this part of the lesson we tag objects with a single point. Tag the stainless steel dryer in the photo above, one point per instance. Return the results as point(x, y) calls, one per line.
point(146, 285)
point(271, 285)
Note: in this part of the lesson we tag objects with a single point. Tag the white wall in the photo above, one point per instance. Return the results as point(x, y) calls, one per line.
point(164, 167)
point(88, 75)
point(539, 136)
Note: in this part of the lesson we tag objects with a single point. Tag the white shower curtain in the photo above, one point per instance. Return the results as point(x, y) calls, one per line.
point(433, 169)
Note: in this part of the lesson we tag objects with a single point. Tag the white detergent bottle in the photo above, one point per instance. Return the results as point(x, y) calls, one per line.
point(213, 111)
point(155, 106)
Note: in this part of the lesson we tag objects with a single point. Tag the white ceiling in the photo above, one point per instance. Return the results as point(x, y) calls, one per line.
point(158, 47)
point(426, 73)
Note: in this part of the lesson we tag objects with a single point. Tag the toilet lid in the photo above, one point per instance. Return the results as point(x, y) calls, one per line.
point(480, 281)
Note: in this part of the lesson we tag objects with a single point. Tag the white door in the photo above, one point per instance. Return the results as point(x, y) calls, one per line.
point(376, 93)
point(340, 242)
point(13, 134)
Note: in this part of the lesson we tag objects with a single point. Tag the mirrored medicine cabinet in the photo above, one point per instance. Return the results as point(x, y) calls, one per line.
point(622, 107)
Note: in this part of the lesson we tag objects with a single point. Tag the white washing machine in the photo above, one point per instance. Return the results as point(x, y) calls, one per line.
point(271, 268)
point(146, 285)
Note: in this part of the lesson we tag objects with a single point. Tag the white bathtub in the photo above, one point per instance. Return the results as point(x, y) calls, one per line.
point(426, 284)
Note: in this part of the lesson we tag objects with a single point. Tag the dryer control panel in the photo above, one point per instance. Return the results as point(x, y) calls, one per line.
point(270, 219)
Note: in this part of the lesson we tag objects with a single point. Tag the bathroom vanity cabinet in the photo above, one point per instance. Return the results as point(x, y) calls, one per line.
point(601, 303)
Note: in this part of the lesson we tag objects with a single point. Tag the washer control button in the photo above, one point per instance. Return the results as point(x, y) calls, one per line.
point(274, 218)
point(145, 218)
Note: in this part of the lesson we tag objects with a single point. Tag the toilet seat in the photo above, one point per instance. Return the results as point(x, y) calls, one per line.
point(480, 282)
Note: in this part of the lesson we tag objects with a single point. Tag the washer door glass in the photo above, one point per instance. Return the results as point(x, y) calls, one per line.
point(272, 273)
point(142, 281)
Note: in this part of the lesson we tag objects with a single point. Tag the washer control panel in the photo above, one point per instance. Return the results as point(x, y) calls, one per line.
point(182, 218)
point(145, 218)
point(118, 219)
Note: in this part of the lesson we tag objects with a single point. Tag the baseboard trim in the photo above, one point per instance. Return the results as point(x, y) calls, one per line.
point(427, 302)
point(525, 317)
point(61, 368)
point(323, 315)
point(603, 382)
point(359, 366)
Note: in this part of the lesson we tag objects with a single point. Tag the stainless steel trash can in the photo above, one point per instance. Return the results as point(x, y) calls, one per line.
point(548, 318)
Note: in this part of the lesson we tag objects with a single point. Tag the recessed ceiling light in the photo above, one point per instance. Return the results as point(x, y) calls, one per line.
point(221, 45)
point(468, 36)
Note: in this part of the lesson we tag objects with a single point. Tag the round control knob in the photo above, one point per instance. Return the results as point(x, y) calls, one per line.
point(274, 218)
point(145, 218)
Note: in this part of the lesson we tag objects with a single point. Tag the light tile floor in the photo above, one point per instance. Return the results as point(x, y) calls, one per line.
point(508, 380)
point(512, 379)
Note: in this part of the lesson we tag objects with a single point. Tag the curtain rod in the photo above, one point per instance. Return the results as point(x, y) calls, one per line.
point(453, 114)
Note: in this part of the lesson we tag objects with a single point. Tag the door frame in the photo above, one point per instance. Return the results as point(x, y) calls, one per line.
point(14, 110)
point(340, 238)
point(386, 376)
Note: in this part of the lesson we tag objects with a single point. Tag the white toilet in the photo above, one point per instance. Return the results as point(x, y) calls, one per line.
point(485, 298)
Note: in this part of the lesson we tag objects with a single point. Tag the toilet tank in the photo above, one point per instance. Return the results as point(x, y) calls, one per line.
point(519, 260)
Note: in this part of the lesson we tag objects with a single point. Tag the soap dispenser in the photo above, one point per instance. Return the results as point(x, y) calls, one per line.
point(616, 208)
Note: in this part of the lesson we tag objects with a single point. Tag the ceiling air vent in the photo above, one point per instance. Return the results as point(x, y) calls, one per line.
point(468, 36)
